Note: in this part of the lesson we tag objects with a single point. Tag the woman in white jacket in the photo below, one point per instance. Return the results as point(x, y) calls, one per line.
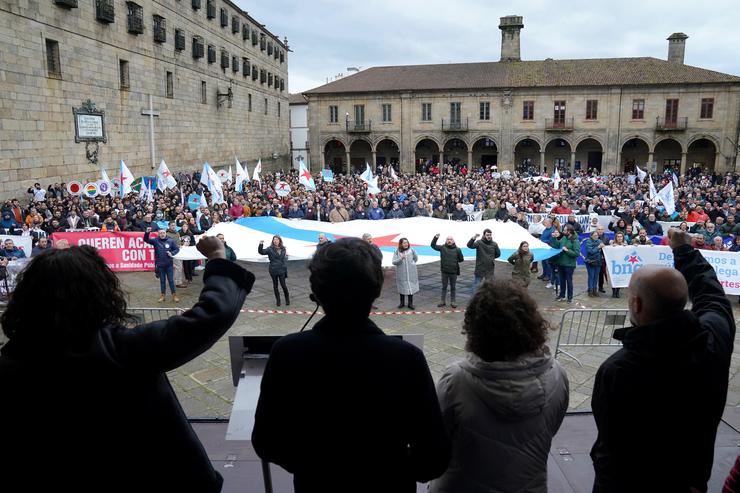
point(407, 278)
point(503, 404)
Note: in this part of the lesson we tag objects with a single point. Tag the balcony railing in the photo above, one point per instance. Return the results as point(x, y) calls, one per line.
point(454, 125)
point(677, 125)
point(105, 11)
point(559, 124)
point(359, 127)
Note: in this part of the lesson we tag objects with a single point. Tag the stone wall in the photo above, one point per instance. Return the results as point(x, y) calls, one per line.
point(36, 119)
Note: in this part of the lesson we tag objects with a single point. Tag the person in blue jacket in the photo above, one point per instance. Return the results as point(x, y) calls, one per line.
point(545, 238)
point(164, 249)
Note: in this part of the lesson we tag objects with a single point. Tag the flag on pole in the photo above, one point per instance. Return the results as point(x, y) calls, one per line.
point(164, 177)
point(257, 171)
point(640, 174)
point(675, 180)
point(653, 191)
point(203, 202)
point(241, 176)
point(304, 177)
point(204, 174)
point(556, 179)
point(394, 177)
point(372, 181)
point(125, 178)
point(215, 187)
point(150, 192)
point(104, 175)
point(666, 197)
point(229, 177)
point(367, 175)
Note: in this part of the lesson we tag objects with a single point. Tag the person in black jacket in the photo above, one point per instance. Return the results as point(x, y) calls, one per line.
point(343, 406)
point(450, 257)
point(108, 417)
point(278, 269)
point(658, 401)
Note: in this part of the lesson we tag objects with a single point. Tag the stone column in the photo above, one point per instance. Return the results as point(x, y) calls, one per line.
point(717, 162)
point(618, 164)
point(349, 166)
point(323, 159)
point(542, 161)
point(375, 160)
point(470, 159)
point(683, 163)
point(572, 166)
point(650, 160)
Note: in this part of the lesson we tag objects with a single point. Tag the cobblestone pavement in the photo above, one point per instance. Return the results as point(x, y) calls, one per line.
point(205, 388)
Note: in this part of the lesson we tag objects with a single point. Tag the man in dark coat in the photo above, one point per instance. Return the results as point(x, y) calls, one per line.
point(343, 406)
point(108, 418)
point(450, 257)
point(164, 249)
point(486, 252)
point(658, 400)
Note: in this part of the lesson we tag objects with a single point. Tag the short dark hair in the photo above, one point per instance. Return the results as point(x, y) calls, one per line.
point(502, 328)
point(346, 277)
point(83, 295)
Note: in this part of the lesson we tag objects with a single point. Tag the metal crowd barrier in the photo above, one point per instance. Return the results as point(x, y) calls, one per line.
point(146, 315)
point(589, 328)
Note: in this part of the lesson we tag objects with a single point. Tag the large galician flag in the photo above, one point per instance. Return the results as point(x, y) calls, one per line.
point(300, 236)
point(304, 176)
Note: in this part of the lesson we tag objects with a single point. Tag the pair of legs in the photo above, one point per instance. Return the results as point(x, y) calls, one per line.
point(188, 268)
point(403, 301)
point(166, 276)
point(593, 278)
point(602, 276)
point(566, 281)
point(281, 278)
point(476, 282)
point(546, 270)
point(450, 279)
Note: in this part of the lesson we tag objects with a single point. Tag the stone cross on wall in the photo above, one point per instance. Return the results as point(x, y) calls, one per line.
point(151, 113)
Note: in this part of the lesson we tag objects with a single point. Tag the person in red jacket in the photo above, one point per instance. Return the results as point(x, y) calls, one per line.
point(562, 208)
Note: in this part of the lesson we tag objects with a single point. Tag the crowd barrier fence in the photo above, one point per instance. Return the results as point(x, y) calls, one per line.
point(589, 328)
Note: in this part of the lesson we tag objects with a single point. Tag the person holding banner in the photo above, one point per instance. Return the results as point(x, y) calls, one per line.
point(164, 250)
point(666, 388)
point(593, 262)
point(278, 268)
point(571, 250)
point(619, 241)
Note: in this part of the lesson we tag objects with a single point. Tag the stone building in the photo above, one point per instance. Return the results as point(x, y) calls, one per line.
point(216, 77)
point(608, 114)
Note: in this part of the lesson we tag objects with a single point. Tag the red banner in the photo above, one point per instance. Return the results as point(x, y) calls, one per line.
point(121, 251)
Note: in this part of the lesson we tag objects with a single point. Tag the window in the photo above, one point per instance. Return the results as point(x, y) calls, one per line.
point(426, 112)
point(235, 26)
point(528, 110)
point(224, 18)
point(707, 108)
point(105, 11)
point(282, 56)
point(53, 64)
point(269, 48)
point(67, 4)
point(135, 18)
point(203, 92)
point(210, 9)
point(265, 106)
point(263, 42)
point(224, 59)
point(179, 40)
point(638, 109)
point(254, 38)
point(245, 32)
point(671, 111)
point(123, 75)
point(278, 109)
point(333, 114)
point(387, 117)
point(558, 113)
point(592, 109)
point(359, 114)
point(197, 47)
point(282, 85)
point(454, 113)
point(170, 86)
point(263, 76)
point(269, 79)
point(160, 29)
point(245, 67)
point(196, 4)
point(211, 54)
point(249, 103)
point(485, 110)
point(234, 63)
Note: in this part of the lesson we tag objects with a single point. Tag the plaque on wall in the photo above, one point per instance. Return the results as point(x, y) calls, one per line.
point(89, 123)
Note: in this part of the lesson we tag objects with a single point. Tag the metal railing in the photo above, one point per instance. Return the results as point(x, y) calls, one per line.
point(559, 124)
point(589, 328)
point(359, 127)
point(454, 125)
point(677, 125)
point(143, 315)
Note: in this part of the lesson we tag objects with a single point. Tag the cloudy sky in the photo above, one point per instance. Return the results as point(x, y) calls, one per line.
point(327, 36)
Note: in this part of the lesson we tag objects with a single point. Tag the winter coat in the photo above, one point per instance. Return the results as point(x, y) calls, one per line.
point(501, 417)
point(117, 403)
point(568, 259)
point(407, 278)
point(12, 254)
point(521, 265)
point(593, 252)
point(449, 256)
point(161, 249)
point(669, 375)
point(278, 259)
point(486, 252)
point(230, 254)
point(654, 228)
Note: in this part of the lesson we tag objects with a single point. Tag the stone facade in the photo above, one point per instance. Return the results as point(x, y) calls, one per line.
point(36, 121)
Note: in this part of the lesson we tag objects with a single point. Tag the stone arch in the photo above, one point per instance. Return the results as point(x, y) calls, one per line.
point(335, 155)
point(589, 154)
point(527, 155)
point(557, 155)
point(456, 137)
point(484, 151)
point(667, 154)
point(527, 137)
point(559, 137)
point(702, 154)
point(710, 138)
point(362, 139)
point(634, 151)
point(592, 137)
point(454, 153)
point(385, 137)
point(665, 138)
point(360, 154)
point(427, 137)
point(387, 152)
point(326, 140)
point(647, 140)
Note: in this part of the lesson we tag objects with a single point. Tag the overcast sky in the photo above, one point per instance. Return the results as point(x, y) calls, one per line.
point(327, 36)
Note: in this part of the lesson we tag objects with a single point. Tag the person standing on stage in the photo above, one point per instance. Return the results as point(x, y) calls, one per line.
point(486, 252)
point(522, 262)
point(407, 278)
point(278, 256)
point(164, 249)
point(450, 257)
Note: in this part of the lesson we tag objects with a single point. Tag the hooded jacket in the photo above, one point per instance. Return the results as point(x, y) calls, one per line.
point(501, 417)
point(486, 252)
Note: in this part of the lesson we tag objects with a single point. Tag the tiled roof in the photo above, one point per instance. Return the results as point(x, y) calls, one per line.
point(539, 73)
point(297, 98)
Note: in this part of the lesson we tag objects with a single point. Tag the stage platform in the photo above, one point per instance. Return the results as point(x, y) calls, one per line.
point(569, 465)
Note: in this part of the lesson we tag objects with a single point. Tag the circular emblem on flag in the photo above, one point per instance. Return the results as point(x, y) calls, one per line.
point(74, 187)
point(104, 187)
point(223, 175)
point(115, 183)
point(282, 188)
point(90, 190)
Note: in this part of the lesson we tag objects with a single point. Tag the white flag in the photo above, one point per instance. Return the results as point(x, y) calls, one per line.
point(125, 179)
point(394, 177)
point(204, 174)
point(203, 202)
point(229, 177)
point(149, 192)
point(653, 191)
point(556, 179)
point(164, 177)
point(372, 186)
point(304, 176)
point(257, 171)
point(367, 176)
point(104, 175)
point(666, 197)
point(640, 174)
point(241, 176)
point(215, 187)
point(675, 180)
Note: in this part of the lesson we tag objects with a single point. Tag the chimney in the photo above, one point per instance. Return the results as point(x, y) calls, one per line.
point(676, 47)
point(510, 27)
